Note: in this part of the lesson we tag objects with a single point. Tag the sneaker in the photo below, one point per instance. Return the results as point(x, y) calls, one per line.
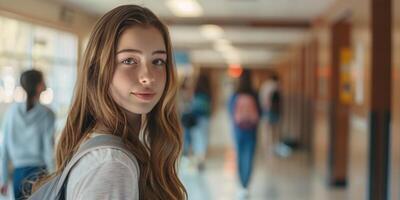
point(243, 194)
point(201, 167)
point(283, 150)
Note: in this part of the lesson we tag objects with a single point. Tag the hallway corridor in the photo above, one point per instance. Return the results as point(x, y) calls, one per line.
point(273, 179)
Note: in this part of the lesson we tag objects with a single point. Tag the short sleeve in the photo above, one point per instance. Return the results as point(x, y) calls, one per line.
point(111, 180)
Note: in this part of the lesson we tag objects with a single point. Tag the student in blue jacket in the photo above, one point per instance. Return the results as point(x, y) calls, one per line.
point(28, 130)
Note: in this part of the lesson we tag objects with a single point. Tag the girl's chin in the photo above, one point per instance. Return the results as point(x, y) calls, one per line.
point(140, 111)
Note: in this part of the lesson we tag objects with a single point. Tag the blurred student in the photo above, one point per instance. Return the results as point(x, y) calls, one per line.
point(271, 104)
point(245, 112)
point(28, 130)
point(188, 120)
point(201, 110)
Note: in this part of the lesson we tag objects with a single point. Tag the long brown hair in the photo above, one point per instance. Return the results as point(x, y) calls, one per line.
point(157, 155)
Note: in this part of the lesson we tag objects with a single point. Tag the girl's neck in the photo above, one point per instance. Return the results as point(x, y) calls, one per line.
point(134, 122)
point(133, 125)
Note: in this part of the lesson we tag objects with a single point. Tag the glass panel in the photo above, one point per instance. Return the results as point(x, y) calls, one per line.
point(24, 46)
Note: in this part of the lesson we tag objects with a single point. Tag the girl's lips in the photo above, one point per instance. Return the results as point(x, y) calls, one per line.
point(144, 96)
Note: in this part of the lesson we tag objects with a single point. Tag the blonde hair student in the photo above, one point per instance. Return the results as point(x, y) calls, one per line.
point(126, 87)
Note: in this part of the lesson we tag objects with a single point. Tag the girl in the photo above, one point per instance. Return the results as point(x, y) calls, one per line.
point(126, 87)
point(28, 137)
point(245, 111)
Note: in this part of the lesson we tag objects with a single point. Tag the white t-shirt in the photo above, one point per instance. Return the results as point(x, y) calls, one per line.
point(265, 92)
point(105, 174)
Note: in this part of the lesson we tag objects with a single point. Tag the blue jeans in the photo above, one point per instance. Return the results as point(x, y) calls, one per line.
point(186, 141)
point(23, 178)
point(245, 141)
point(199, 137)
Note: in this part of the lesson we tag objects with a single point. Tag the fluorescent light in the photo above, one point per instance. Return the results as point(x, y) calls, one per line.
point(229, 52)
point(232, 57)
point(185, 8)
point(223, 41)
point(223, 48)
point(211, 31)
point(223, 45)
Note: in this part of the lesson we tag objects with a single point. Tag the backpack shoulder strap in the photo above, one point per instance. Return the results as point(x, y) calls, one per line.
point(95, 143)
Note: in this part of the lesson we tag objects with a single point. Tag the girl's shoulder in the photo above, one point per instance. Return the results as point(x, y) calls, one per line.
point(107, 155)
point(104, 156)
point(103, 168)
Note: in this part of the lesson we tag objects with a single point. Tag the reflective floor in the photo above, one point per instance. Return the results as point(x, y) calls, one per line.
point(273, 179)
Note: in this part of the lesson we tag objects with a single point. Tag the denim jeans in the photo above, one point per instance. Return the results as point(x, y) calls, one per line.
point(187, 140)
point(199, 135)
point(245, 143)
point(23, 178)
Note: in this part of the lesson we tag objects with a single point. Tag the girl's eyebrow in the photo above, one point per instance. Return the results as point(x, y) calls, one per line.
point(140, 52)
point(160, 52)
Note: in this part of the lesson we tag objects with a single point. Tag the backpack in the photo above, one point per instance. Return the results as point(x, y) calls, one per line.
point(245, 113)
point(189, 119)
point(55, 189)
point(275, 100)
point(201, 105)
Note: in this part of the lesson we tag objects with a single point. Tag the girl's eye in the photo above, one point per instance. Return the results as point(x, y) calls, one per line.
point(129, 61)
point(159, 62)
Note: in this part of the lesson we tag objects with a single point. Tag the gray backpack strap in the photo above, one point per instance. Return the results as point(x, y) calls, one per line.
point(95, 143)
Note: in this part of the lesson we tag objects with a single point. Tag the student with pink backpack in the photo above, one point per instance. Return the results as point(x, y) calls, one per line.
point(245, 113)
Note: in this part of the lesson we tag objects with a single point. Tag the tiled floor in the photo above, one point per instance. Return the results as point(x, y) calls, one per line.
point(293, 178)
point(273, 179)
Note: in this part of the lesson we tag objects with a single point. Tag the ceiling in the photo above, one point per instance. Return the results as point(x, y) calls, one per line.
point(258, 30)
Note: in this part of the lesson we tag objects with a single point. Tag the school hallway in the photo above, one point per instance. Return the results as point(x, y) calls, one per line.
point(296, 177)
point(275, 179)
point(337, 64)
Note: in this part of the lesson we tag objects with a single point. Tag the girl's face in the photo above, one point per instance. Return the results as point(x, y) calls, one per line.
point(140, 75)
